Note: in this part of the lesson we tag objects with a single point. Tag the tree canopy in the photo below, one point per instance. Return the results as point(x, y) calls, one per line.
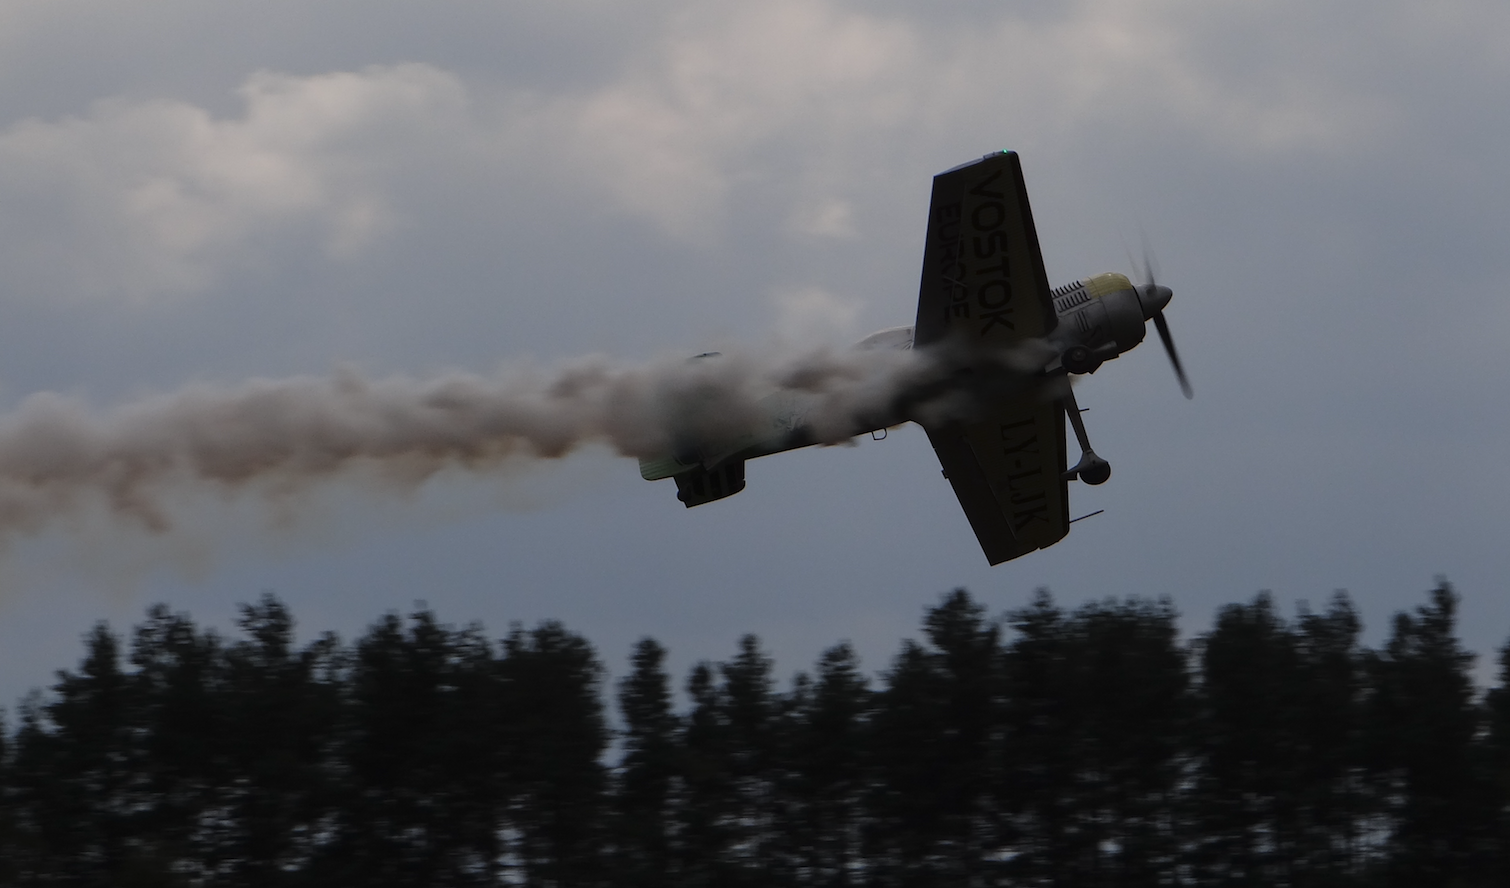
point(1040, 747)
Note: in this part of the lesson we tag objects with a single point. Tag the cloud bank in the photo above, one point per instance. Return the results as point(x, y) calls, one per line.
point(796, 107)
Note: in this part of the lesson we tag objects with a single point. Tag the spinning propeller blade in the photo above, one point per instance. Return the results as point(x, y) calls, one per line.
point(1174, 356)
point(1162, 325)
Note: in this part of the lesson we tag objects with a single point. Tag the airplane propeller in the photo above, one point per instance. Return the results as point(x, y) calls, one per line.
point(1154, 298)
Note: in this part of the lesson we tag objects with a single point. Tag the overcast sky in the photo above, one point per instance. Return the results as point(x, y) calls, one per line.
point(206, 193)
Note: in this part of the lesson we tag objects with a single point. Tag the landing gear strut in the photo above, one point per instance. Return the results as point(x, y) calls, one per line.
point(1091, 469)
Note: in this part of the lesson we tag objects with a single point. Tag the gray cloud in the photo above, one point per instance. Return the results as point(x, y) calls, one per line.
point(783, 103)
point(148, 199)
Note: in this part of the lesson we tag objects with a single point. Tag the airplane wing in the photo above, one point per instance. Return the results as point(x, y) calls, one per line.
point(1008, 472)
point(983, 275)
point(984, 285)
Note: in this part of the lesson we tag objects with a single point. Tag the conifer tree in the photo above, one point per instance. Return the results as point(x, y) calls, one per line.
point(1093, 753)
point(1250, 686)
point(10, 838)
point(1332, 804)
point(282, 709)
point(554, 740)
point(1083, 748)
point(1280, 797)
point(731, 740)
point(1041, 729)
point(703, 845)
point(1132, 680)
point(1496, 773)
point(934, 816)
point(1423, 722)
point(828, 763)
point(752, 713)
point(76, 773)
point(472, 784)
point(647, 772)
point(409, 770)
point(184, 764)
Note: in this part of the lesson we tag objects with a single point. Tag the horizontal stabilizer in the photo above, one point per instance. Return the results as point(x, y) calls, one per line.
point(662, 467)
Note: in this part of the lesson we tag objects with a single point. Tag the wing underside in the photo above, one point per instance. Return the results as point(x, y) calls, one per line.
point(983, 282)
point(1008, 472)
point(983, 291)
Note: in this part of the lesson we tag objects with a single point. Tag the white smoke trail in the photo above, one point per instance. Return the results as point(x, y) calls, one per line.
point(58, 455)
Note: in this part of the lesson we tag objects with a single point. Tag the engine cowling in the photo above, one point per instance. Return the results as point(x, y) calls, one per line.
point(1101, 313)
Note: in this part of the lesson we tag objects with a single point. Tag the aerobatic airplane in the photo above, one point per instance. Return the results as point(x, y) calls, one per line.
point(984, 306)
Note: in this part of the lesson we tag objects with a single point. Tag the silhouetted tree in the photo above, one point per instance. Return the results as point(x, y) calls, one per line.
point(185, 769)
point(933, 816)
point(554, 739)
point(1075, 748)
point(828, 763)
point(10, 835)
point(1496, 770)
point(414, 761)
point(1281, 797)
point(703, 831)
point(753, 714)
point(730, 742)
point(77, 766)
point(1423, 722)
point(1095, 747)
point(1333, 805)
point(1250, 686)
point(1133, 683)
point(282, 711)
point(647, 773)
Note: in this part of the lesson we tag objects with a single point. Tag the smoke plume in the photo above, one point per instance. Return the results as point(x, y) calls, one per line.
point(276, 436)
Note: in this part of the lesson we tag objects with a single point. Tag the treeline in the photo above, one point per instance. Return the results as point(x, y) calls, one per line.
point(1089, 747)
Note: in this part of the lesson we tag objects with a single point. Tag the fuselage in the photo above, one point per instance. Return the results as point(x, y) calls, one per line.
point(1099, 318)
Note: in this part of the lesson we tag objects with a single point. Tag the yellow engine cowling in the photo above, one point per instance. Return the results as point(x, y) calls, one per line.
point(1101, 313)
